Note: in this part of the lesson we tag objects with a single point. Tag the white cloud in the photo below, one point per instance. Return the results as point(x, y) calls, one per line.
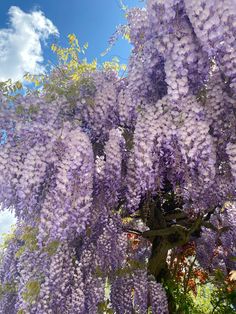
point(20, 43)
point(7, 219)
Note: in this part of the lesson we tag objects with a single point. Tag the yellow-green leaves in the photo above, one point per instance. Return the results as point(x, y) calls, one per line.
point(114, 65)
point(32, 291)
point(53, 48)
point(7, 288)
point(65, 77)
point(20, 109)
point(103, 308)
point(29, 111)
point(30, 238)
point(9, 87)
point(33, 109)
point(126, 35)
point(70, 56)
point(98, 272)
point(73, 41)
point(76, 70)
point(37, 80)
point(52, 247)
point(7, 238)
point(20, 251)
point(71, 73)
point(30, 241)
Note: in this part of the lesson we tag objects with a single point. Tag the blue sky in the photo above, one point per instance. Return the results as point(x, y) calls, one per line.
point(28, 28)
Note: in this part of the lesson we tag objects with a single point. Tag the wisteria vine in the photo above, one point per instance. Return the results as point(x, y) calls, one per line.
point(151, 154)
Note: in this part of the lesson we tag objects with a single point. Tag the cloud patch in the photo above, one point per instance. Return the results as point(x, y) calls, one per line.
point(21, 43)
point(7, 219)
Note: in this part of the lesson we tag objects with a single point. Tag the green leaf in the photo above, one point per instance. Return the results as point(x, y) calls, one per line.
point(19, 109)
point(33, 109)
point(32, 291)
point(52, 247)
point(20, 251)
point(30, 238)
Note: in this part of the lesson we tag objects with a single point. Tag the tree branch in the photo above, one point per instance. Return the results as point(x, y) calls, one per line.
point(165, 231)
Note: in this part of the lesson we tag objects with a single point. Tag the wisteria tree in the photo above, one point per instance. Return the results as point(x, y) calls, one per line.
point(112, 179)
